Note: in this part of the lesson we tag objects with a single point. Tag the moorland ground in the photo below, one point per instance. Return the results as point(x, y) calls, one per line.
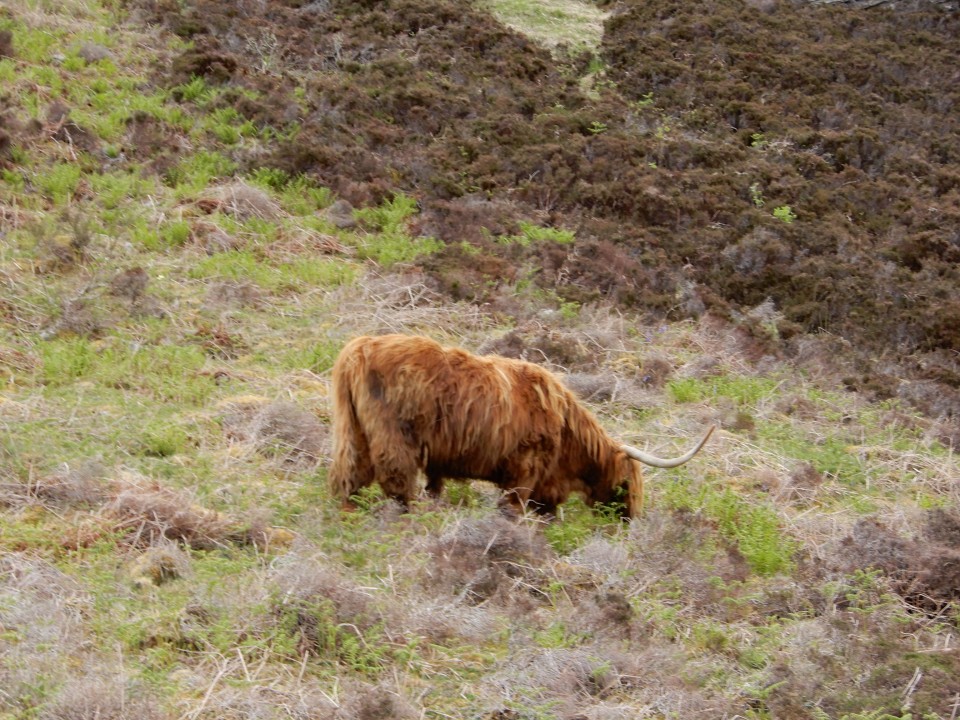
point(742, 213)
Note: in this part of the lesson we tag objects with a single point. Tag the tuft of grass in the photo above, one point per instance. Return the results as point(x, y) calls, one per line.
point(784, 213)
point(391, 244)
point(743, 390)
point(63, 361)
point(301, 196)
point(172, 234)
point(830, 455)
point(8, 71)
point(686, 390)
point(756, 530)
point(59, 182)
point(167, 372)
point(321, 356)
point(235, 265)
point(229, 126)
point(197, 171)
point(752, 526)
point(558, 635)
point(163, 439)
point(14, 180)
point(194, 91)
point(116, 188)
point(320, 272)
point(531, 234)
point(576, 524)
point(301, 273)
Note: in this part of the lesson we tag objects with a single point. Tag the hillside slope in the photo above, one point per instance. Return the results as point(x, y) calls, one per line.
point(201, 202)
point(725, 154)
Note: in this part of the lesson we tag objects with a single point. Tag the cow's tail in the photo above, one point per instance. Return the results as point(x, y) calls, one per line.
point(347, 473)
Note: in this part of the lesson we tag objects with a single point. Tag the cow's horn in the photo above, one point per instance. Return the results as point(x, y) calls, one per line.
point(653, 460)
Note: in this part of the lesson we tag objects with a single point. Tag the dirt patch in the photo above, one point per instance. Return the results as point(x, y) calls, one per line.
point(226, 295)
point(6, 44)
point(130, 284)
point(153, 142)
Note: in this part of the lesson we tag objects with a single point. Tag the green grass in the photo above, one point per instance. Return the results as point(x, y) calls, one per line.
point(317, 357)
point(830, 455)
point(196, 172)
point(578, 24)
point(14, 180)
point(577, 523)
point(300, 274)
point(745, 391)
point(167, 372)
point(162, 439)
point(756, 530)
point(320, 272)
point(751, 525)
point(175, 233)
point(59, 182)
point(390, 243)
point(33, 46)
point(8, 71)
point(64, 361)
point(302, 198)
point(115, 188)
point(228, 126)
point(297, 195)
point(558, 635)
point(531, 234)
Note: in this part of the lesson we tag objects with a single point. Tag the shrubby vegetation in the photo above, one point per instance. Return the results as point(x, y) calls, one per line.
point(201, 202)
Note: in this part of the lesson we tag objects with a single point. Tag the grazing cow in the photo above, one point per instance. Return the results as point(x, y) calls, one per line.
point(404, 405)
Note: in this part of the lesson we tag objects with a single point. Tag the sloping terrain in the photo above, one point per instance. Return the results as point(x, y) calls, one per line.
point(733, 213)
point(728, 154)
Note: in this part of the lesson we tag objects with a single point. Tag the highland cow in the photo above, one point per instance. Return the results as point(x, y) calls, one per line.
point(403, 405)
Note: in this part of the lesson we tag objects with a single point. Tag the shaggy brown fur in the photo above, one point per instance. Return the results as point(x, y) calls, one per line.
point(404, 405)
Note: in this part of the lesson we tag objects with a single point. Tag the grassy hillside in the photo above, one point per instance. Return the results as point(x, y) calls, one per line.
point(201, 202)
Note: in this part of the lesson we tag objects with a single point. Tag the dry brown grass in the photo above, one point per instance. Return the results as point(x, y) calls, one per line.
point(149, 513)
point(381, 303)
point(277, 429)
point(242, 201)
point(145, 513)
point(302, 241)
point(99, 696)
point(42, 614)
point(479, 561)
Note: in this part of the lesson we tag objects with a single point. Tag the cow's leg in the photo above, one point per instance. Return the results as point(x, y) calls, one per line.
point(513, 502)
point(363, 470)
point(434, 484)
point(531, 480)
point(542, 505)
point(519, 479)
point(352, 467)
point(397, 464)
